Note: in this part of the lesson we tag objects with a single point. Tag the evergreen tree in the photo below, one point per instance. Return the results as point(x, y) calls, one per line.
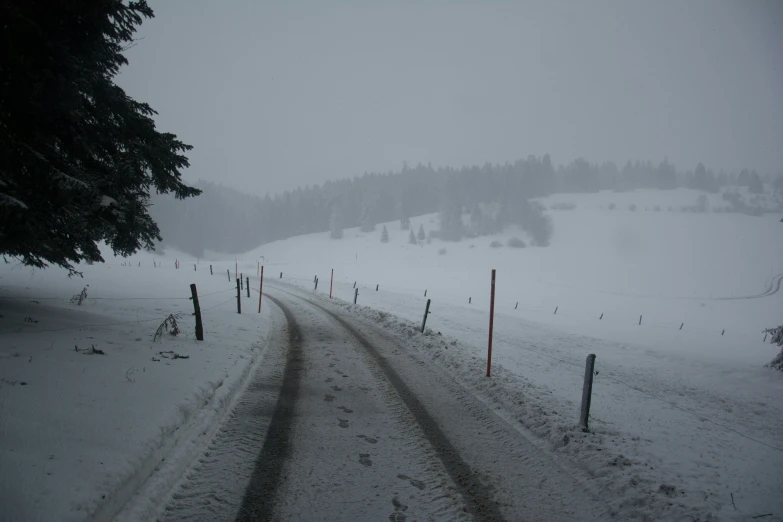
point(412, 238)
point(78, 156)
point(336, 224)
point(384, 235)
point(402, 213)
point(421, 235)
point(366, 222)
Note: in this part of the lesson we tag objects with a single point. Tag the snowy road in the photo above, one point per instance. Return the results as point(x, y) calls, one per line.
point(341, 423)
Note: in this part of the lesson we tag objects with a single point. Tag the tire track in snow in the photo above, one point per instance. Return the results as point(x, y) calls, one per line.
point(519, 479)
point(258, 502)
point(213, 488)
point(772, 289)
point(476, 494)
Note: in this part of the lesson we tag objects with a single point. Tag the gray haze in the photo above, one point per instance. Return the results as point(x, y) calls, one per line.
point(274, 96)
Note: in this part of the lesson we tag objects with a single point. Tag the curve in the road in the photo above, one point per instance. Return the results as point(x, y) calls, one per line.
point(772, 289)
point(474, 492)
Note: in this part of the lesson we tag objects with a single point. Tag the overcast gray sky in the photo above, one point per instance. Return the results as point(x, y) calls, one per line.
point(274, 95)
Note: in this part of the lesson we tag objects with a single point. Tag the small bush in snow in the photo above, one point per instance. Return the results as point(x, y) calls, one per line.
point(515, 242)
point(80, 297)
point(632, 207)
point(776, 338)
point(168, 325)
point(442, 251)
point(611, 206)
point(496, 244)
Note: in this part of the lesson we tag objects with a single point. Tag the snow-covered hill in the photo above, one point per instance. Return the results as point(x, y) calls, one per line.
point(682, 399)
point(685, 419)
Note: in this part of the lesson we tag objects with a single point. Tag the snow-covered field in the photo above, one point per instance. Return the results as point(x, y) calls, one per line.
point(82, 431)
point(680, 416)
point(685, 420)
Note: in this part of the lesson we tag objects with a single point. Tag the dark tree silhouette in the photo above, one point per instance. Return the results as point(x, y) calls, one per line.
point(78, 156)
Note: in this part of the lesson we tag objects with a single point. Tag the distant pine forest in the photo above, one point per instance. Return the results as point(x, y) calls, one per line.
point(228, 220)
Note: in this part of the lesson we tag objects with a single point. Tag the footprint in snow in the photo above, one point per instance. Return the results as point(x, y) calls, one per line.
point(413, 482)
point(364, 459)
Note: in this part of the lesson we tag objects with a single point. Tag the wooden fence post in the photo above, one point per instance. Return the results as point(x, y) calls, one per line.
point(316, 283)
point(331, 283)
point(376, 287)
point(239, 297)
point(355, 295)
point(241, 281)
point(194, 267)
point(426, 313)
point(210, 269)
point(261, 289)
point(491, 321)
point(587, 392)
point(247, 285)
point(197, 313)
point(228, 273)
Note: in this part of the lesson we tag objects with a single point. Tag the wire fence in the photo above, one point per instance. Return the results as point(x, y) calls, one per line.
point(33, 330)
point(574, 366)
point(571, 365)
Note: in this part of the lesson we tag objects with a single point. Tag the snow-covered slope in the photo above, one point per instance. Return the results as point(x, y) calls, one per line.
point(681, 399)
point(685, 419)
point(91, 408)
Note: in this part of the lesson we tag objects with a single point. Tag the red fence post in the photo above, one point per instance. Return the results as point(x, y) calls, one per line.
point(330, 284)
point(261, 290)
point(491, 320)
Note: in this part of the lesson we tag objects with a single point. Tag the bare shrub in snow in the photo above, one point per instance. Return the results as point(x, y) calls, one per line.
point(776, 338)
point(496, 244)
point(80, 297)
point(632, 207)
point(442, 251)
point(515, 242)
point(169, 325)
point(611, 206)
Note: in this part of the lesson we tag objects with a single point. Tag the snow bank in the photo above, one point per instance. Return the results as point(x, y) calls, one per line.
point(91, 407)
